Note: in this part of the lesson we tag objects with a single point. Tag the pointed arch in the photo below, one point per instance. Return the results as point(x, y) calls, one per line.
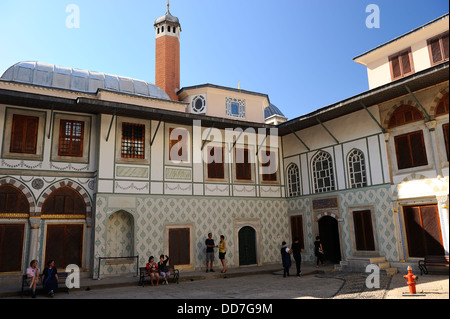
point(27, 195)
point(84, 195)
point(293, 180)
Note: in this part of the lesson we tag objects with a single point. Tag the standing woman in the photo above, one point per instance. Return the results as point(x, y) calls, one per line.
point(222, 252)
point(50, 278)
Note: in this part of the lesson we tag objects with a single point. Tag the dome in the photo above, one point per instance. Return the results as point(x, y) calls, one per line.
point(52, 76)
point(168, 17)
point(272, 110)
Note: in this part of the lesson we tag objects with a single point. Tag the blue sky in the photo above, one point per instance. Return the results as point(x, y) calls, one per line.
point(298, 52)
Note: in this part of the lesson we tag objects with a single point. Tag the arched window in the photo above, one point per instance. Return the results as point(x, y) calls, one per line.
point(403, 115)
point(442, 107)
point(357, 169)
point(293, 180)
point(323, 176)
point(66, 201)
point(12, 200)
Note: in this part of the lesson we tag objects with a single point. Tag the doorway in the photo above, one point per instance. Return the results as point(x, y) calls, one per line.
point(423, 230)
point(329, 236)
point(247, 246)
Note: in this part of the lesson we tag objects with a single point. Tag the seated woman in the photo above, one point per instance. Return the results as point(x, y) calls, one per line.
point(33, 276)
point(152, 269)
point(50, 278)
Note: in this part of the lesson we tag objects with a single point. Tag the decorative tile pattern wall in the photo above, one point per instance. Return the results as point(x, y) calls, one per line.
point(151, 214)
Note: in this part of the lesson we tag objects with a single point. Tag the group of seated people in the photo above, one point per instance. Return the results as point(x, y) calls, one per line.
point(157, 270)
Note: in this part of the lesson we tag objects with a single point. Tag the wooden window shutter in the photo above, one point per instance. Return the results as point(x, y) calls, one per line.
point(24, 134)
point(445, 47)
point(396, 71)
point(419, 155)
point(11, 247)
point(216, 168)
point(243, 165)
point(445, 127)
point(410, 150)
point(406, 63)
point(435, 49)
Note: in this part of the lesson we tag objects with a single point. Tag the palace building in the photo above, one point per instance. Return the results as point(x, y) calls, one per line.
point(103, 171)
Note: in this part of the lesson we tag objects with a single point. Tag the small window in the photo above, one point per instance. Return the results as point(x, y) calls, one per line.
point(216, 168)
point(243, 165)
point(168, 28)
point(438, 49)
point(410, 150)
point(71, 135)
point(133, 140)
point(178, 144)
point(174, 29)
point(24, 134)
point(269, 165)
point(235, 107)
point(401, 64)
point(158, 30)
point(162, 29)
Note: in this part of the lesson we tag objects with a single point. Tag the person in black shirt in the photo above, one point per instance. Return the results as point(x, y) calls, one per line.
point(209, 242)
point(296, 252)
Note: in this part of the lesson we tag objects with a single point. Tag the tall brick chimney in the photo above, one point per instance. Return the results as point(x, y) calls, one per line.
point(167, 57)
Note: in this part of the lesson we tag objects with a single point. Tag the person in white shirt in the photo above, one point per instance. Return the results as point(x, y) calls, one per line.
point(33, 275)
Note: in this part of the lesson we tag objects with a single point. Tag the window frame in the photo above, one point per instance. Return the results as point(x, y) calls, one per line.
point(133, 156)
point(316, 175)
point(439, 38)
point(351, 170)
point(410, 150)
point(71, 137)
point(290, 182)
point(56, 137)
point(247, 166)
point(215, 166)
point(24, 134)
point(8, 126)
point(402, 72)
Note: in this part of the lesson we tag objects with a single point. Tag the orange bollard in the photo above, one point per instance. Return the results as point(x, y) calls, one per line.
point(411, 281)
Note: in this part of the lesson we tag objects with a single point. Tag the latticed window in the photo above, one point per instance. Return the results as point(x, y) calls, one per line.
point(293, 180)
point(133, 141)
point(71, 134)
point(357, 169)
point(323, 175)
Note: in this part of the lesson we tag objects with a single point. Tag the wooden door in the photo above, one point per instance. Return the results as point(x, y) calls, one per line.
point(247, 246)
point(362, 221)
point(179, 246)
point(11, 247)
point(297, 229)
point(423, 230)
point(64, 244)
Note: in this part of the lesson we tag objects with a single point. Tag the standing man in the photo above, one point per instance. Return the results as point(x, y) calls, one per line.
point(296, 251)
point(209, 242)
